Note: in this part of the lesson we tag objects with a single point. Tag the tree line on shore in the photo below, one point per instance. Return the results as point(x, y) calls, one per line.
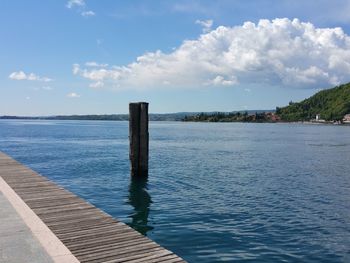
point(330, 104)
point(233, 117)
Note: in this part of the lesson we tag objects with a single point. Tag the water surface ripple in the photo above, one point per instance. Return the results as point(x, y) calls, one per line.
point(216, 192)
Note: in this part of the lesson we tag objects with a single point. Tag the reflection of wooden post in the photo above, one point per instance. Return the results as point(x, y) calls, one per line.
point(138, 136)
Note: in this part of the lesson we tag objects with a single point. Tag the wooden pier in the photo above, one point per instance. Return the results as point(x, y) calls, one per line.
point(87, 232)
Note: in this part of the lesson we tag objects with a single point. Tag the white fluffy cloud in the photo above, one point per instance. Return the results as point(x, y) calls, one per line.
point(95, 64)
point(206, 24)
point(97, 85)
point(73, 95)
point(20, 75)
point(280, 52)
point(80, 5)
point(88, 13)
point(74, 3)
point(221, 81)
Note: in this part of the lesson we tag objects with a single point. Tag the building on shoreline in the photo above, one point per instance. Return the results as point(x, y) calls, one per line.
point(346, 118)
point(318, 118)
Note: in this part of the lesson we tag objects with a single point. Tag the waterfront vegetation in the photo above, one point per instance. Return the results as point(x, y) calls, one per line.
point(233, 117)
point(331, 105)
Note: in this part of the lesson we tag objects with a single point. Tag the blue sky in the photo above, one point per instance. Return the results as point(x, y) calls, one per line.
point(94, 57)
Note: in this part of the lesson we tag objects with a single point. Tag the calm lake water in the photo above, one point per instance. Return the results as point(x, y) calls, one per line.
point(216, 191)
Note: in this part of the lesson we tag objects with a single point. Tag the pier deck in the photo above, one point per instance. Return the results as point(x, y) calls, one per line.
point(69, 224)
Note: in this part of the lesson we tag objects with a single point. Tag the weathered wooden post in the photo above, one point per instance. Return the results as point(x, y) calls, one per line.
point(138, 136)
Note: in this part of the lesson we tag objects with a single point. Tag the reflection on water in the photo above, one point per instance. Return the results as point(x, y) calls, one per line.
point(141, 201)
point(221, 192)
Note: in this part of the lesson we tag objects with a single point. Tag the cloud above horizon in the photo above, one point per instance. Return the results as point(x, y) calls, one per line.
point(206, 25)
point(279, 52)
point(95, 64)
point(75, 3)
point(88, 13)
point(73, 95)
point(20, 75)
point(81, 6)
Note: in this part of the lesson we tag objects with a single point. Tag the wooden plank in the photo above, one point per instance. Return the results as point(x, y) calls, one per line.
point(137, 257)
point(95, 243)
point(89, 230)
point(131, 250)
point(58, 208)
point(152, 257)
point(89, 233)
point(108, 246)
point(75, 223)
point(86, 227)
point(97, 235)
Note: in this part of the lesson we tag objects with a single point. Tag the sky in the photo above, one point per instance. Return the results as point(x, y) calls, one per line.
point(96, 56)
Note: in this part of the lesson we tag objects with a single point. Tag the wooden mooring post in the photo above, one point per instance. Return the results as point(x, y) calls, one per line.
point(139, 138)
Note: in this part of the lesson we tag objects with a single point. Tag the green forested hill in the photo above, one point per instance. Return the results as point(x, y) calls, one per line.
point(332, 104)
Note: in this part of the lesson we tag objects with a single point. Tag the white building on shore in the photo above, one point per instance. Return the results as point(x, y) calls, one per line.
point(318, 118)
point(346, 118)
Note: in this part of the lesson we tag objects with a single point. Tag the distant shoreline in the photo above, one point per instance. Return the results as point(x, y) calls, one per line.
point(276, 122)
point(178, 116)
point(68, 118)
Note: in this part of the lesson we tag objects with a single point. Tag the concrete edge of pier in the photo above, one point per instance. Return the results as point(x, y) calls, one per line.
point(50, 243)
